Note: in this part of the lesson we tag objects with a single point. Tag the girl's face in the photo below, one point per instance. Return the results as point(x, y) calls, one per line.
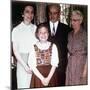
point(43, 34)
point(28, 14)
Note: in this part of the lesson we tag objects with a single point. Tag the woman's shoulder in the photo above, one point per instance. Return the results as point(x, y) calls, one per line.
point(53, 45)
point(16, 28)
point(33, 25)
point(83, 32)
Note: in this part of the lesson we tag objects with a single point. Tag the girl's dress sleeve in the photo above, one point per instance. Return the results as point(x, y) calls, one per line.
point(54, 57)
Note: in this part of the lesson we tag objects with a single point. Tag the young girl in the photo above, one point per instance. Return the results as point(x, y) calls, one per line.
point(43, 60)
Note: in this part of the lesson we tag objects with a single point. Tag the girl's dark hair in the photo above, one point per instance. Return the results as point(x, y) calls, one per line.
point(40, 26)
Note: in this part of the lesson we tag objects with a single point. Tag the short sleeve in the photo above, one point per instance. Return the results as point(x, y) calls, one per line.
point(54, 57)
point(14, 35)
point(32, 58)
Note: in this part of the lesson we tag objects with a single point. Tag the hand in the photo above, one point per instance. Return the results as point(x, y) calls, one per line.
point(27, 69)
point(45, 81)
point(84, 74)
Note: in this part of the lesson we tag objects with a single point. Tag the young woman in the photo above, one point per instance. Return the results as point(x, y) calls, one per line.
point(43, 60)
point(23, 37)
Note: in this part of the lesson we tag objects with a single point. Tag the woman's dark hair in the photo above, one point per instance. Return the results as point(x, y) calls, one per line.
point(40, 26)
point(32, 5)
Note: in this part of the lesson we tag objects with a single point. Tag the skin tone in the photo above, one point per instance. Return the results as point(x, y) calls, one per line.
point(54, 14)
point(28, 15)
point(76, 23)
point(85, 70)
point(43, 36)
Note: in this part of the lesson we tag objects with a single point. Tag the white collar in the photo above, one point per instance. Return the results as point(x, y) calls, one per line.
point(44, 46)
point(25, 24)
point(55, 24)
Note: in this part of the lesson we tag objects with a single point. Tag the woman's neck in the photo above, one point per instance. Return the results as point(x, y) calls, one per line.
point(76, 30)
point(26, 22)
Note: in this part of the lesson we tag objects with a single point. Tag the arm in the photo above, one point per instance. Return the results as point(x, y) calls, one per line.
point(19, 58)
point(85, 70)
point(32, 64)
point(54, 63)
point(37, 73)
point(15, 49)
point(51, 72)
point(48, 78)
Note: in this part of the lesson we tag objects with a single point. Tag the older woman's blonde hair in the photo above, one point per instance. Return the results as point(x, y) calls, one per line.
point(79, 13)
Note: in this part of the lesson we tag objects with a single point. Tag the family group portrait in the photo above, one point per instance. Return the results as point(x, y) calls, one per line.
point(49, 45)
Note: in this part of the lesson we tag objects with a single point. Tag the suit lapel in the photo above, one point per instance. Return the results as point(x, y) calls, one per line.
point(58, 31)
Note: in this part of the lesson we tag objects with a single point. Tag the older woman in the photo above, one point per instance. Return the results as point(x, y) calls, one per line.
point(77, 51)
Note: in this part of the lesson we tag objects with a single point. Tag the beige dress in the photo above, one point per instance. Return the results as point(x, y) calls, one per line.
point(77, 47)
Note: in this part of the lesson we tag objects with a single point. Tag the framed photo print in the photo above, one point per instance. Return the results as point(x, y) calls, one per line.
point(49, 44)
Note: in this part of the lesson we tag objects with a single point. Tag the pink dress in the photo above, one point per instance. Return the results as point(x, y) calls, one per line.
point(77, 47)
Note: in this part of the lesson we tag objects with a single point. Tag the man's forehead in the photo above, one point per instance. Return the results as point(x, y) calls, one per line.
point(54, 8)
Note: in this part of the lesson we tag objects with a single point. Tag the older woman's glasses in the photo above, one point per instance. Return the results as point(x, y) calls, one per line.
point(75, 20)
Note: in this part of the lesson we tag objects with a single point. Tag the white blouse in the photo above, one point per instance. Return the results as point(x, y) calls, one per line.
point(23, 36)
point(54, 57)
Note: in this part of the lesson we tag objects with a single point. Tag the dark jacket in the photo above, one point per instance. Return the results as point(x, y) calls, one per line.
point(61, 40)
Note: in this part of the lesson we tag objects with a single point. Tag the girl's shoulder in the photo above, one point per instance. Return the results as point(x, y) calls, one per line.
point(52, 45)
point(43, 46)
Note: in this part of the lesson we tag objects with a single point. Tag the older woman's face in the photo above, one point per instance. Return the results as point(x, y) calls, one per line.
point(75, 21)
